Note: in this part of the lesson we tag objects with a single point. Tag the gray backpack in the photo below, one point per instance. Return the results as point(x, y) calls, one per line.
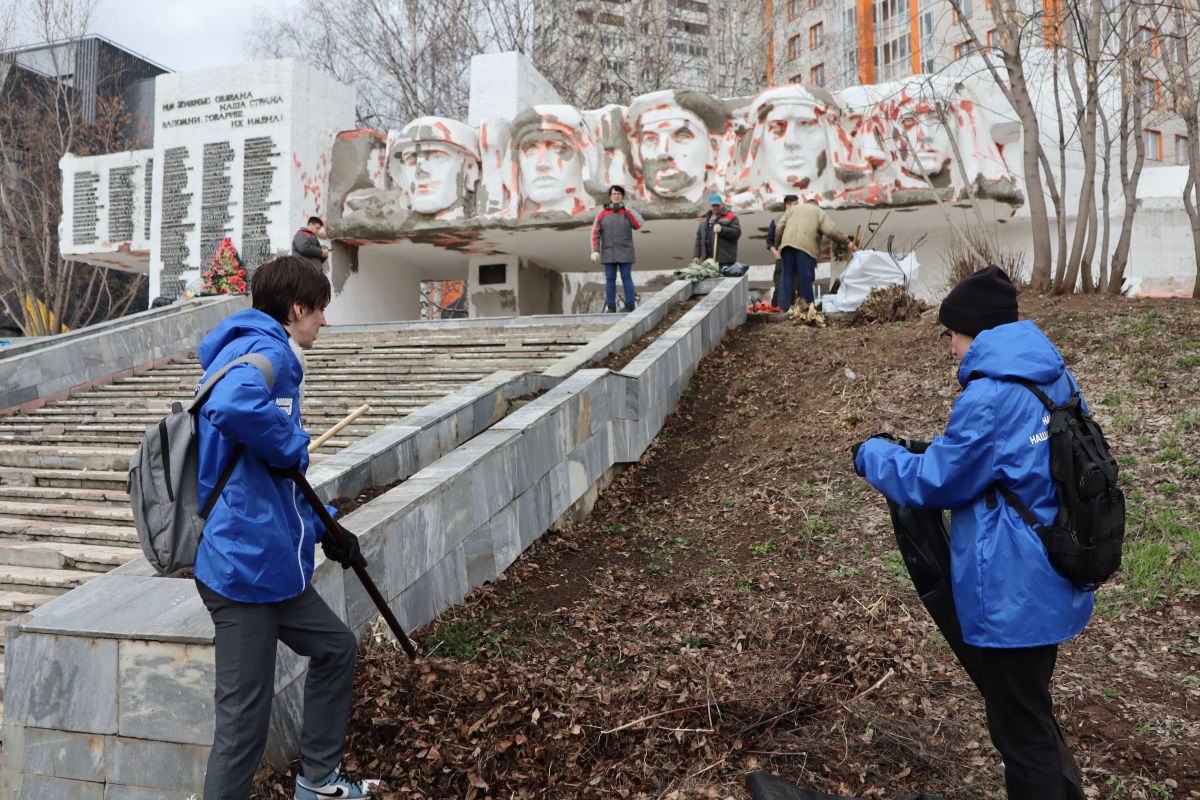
point(163, 479)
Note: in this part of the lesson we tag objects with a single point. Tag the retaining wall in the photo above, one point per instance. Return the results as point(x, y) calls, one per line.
point(109, 693)
point(48, 368)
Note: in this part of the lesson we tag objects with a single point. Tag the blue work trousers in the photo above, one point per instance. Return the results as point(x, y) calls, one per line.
point(610, 284)
point(799, 271)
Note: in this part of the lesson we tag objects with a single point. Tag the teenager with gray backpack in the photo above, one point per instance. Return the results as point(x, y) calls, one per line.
point(254, 562)
point(1037, 520)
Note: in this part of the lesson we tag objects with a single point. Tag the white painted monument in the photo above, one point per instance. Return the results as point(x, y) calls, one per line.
point(239, 151)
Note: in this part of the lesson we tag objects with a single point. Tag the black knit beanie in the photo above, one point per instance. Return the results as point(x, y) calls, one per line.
point(980, 301)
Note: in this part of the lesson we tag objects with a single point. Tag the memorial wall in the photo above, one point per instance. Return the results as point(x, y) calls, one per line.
point(239, 151)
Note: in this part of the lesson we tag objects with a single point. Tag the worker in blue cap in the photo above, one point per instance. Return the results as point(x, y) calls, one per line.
point(717, 234)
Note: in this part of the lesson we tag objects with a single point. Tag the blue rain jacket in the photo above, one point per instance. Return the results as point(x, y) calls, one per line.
point(258, 541)
point(1006, 591)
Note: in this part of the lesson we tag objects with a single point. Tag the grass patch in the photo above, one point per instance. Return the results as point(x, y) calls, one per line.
point(893, 567)
point(1159, 560)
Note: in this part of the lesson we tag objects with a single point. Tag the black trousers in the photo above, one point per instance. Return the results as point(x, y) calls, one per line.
point(247, 635)
point(1014, 682)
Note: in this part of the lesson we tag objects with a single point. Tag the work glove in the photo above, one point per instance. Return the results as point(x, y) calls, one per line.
point(595, 256)
point(854, 448)
point(717, 228)
point(619, 207)
point(346, 555)
point(695, 259)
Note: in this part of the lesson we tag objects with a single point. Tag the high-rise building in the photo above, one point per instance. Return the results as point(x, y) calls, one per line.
point(838, 43)
point(608, 51)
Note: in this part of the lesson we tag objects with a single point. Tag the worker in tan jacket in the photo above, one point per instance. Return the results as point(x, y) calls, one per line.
point(798, 236)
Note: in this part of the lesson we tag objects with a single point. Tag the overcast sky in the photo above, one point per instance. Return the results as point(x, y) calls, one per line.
point(183, 34)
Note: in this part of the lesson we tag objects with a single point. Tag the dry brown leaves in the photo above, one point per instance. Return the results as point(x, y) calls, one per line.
point(734, 603)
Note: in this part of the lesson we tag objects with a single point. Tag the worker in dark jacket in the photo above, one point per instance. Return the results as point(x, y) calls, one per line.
point(719, 228)
point(255, 561)
point(612, 246)
point(307, 242)
point(1012, 605)
point(789, 200)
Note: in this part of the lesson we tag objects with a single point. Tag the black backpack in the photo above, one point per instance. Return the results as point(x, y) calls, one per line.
point(1084, 541)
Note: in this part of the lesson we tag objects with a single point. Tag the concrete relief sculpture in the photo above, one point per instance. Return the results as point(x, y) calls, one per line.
point(790, 146)
point(435, 162)
point(909, 143)
point(675, 140)
point(551, 155)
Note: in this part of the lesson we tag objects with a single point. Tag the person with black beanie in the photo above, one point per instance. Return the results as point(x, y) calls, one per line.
point(1011, 604)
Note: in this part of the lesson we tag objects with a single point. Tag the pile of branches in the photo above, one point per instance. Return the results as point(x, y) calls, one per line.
point(890, 304)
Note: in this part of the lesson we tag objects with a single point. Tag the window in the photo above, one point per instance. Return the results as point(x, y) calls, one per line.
point(1149, 91)
point(963, 49)
point(925, 25)
point(1149, 37)
point(993, 38)
point(1181, 149)
point(1154, 145)
point(814, 4)
point(794, 46)
point(796, 79)
point(816, 34)
point(616, 20)
point(793, 9)
point(893, 39)
point(816, 76)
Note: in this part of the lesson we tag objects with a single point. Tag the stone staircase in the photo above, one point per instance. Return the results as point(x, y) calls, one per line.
point(64, 511)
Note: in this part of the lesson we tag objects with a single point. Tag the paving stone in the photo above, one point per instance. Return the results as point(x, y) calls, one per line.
point(166, 692)
point(63, 682)
point(156, 765)
point(39, 787)
point(115, 791)
point(61, 754)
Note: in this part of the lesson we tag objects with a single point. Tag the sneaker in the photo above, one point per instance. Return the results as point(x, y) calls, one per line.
point(336, 784)
point(627, 309)
point(610, 309)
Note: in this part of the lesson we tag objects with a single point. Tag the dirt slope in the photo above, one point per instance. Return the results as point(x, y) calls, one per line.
point(735, 602)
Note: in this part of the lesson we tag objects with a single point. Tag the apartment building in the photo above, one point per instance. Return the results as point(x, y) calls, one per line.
point(608, 51)
point(839, 43)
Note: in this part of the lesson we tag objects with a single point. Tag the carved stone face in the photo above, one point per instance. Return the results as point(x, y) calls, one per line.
point(550, 167)
point(674, 149)
point(794, 143)
point(431, 174)
point(929, 139)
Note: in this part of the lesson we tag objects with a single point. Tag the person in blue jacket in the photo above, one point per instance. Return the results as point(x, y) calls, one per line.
point(1013, 606)
point(254, 564)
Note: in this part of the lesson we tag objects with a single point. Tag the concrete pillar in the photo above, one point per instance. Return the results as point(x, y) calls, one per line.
point(376, 286)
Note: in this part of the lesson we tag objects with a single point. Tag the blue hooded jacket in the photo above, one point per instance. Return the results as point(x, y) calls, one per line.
point(1006, 591)
point(258, 541)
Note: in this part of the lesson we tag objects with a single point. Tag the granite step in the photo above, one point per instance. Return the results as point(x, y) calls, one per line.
point(66, 555)
point(49, 581)
point(48, 457)
point(81, 478)
point(111, 513)
point(12, 602)
point(22, 529)
point(58, 494)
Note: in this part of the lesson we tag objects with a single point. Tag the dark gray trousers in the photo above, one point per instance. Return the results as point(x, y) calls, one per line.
point(246, 636)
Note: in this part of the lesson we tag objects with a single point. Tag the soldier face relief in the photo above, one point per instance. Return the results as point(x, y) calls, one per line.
point(930, 141)
point(430, 173)
point(674, 149)
point(551, 169)
point(795, 146)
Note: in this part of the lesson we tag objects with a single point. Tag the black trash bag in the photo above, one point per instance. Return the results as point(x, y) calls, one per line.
point(735, 270)
point(765, 786)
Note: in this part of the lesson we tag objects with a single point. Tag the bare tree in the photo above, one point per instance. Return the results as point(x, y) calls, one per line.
point(41, 120)
point(1084, 52)
point(1179, 24)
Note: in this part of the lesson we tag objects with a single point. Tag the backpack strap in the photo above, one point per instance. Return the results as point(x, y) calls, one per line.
point(257, 359)
point(1011, 498)
point(268, 371)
